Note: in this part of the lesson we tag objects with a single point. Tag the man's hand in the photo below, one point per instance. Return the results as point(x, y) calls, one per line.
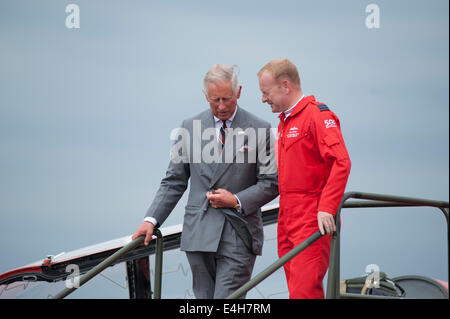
point(146, 229)
point(326, 223)
point(221, 198)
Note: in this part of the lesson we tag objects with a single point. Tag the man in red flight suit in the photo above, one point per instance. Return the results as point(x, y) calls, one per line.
point(313, 168)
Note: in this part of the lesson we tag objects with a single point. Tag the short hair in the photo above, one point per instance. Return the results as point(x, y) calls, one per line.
point(282, 68)
point(221, 73)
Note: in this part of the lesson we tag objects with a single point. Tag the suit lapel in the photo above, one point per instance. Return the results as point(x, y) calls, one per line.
point(208, 123)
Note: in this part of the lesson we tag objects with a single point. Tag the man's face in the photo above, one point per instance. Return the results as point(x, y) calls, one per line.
point(272, 92)
point(222, 99)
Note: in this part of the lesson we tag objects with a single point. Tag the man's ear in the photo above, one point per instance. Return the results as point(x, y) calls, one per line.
point(286, 85)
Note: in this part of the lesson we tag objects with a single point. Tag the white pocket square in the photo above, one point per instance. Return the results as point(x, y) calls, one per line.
point(244, 148)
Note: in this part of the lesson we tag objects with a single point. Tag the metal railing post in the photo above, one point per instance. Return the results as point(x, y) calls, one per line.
point(335, 254)
point(158, 263)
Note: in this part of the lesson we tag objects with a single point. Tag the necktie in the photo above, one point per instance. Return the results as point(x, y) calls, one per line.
point(223, 133)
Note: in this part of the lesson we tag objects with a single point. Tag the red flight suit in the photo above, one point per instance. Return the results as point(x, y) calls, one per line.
point(313, 168)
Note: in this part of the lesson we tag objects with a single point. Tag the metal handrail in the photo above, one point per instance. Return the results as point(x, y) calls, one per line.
point(369, 200)
point(383, 200)
point(376, 200)
point(273, 267)
point(117, 255)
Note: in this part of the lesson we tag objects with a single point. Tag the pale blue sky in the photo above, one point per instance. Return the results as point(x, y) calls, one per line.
point(85, 114)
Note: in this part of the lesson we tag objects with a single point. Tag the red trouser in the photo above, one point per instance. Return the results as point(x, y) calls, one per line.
point(297, 220)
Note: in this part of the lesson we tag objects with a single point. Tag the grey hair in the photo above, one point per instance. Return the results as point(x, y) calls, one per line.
point(221, 73)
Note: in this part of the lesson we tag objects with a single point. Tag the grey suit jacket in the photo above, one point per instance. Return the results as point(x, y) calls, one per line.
point(246, 167)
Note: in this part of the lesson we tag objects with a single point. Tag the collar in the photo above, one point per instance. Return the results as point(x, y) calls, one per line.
point(298, 107)
point(287, 112)
point(229, 121)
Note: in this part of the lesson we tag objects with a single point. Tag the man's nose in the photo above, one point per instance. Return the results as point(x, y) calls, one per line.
point(222, 105)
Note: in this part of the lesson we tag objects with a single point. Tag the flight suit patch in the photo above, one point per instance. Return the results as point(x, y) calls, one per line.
point(323, 107)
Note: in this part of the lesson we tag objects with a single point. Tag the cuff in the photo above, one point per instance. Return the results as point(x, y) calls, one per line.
point(151, 220)
point(240, 210)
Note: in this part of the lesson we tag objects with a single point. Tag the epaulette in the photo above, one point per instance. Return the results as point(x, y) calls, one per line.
point(323, 107)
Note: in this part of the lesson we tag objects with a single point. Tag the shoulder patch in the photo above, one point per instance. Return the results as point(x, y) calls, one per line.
point(323, 107)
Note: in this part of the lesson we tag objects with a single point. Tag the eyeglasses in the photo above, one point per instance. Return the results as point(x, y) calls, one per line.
point(217, 100)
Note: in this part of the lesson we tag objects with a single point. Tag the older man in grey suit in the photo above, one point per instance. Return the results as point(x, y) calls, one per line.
point(229, 156)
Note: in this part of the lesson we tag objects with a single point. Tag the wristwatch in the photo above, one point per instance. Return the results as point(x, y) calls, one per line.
point(237, 206)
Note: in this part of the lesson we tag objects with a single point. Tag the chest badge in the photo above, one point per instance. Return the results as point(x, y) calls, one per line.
point(293, 132)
